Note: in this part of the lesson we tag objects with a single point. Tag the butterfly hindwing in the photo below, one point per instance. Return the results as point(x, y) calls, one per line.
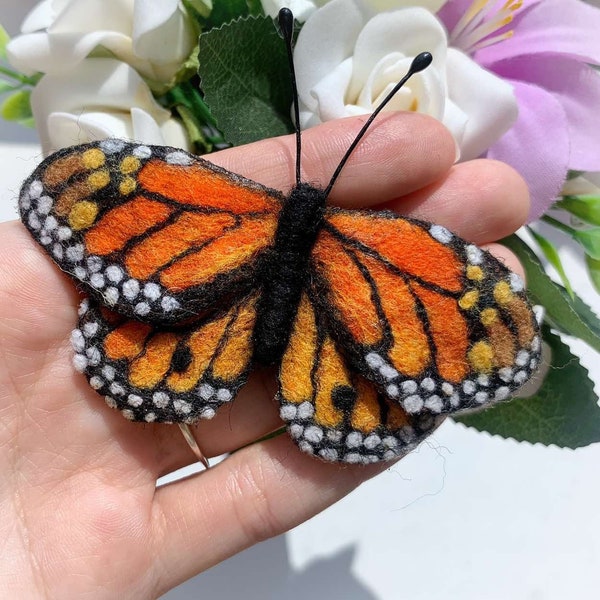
point(437, 323)
point(153, 232)
point(165, 374)
point(334, 413)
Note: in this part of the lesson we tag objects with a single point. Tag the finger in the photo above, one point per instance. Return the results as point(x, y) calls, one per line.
point(35, 297)
point(255, 494)
point(401, 151)
point(480, 200)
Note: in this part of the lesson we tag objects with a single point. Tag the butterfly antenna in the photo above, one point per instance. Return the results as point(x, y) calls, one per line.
point(286, 24)
point(419, 63)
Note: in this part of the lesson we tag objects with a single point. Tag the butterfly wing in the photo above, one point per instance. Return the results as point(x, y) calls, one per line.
point(333, 412)
point(153, 232)
point(437, 323)
point(165, 374)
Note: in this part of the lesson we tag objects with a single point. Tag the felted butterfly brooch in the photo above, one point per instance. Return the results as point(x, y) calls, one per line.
point(195, 275)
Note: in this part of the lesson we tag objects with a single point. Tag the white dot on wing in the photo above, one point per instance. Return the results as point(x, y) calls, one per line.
point(142, 309)
point(179, 158)
point(142, 152)
point(112, 146)
point(441, 234)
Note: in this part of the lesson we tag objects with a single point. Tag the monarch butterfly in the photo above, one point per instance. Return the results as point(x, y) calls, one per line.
point(195, 275)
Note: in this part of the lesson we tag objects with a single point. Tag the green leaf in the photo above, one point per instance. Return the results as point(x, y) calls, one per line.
point(561, 312)
point(5, 86)
point(198, 8)
point(245, 79)
point(186, 94)
point(584, 207)
point(593, 266)
point(564, 411)
point(194, 131)
point(553, 258)
point(225, 11)
point(4, 39)
point(256, 8)
point(185, 98)
point(17, 107)
point(590, 240)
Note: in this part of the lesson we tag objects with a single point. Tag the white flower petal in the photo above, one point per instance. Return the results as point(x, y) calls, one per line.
point(162, 32)
point(488, 102)
point(455, 119)
point(66, 129)
point(325, 41)
point(88, 16)
point(329, 93)
point(147, 130)
point(99, 98)
point(40, 17)
point(379, 6)
point(153, 37)
point(301, 9)
point(408, 31)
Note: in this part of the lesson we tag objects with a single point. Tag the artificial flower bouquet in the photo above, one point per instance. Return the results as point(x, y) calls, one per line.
point(515, 81)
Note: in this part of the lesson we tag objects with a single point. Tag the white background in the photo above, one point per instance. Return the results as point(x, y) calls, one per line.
point(466, 516)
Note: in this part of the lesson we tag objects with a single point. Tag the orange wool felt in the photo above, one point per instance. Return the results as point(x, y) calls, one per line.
point(380, 325)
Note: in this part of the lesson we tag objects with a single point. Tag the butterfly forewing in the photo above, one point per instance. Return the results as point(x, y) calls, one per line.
point(437, 323)
point(164, 374)
point(153, 232)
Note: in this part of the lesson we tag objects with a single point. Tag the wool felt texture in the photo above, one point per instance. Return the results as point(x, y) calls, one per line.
point(380, 325)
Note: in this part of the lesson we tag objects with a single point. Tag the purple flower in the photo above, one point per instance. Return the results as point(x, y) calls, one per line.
point(544, 48)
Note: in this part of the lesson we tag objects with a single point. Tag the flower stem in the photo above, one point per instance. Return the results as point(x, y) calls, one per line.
point(558, 224)
point(23, 79)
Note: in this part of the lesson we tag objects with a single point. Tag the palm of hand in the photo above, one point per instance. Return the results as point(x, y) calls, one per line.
point(82, 514)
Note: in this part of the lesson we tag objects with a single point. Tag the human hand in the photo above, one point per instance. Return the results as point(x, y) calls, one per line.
point(82, 515)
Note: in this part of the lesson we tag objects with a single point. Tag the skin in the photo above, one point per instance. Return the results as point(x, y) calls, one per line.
point(82, 517)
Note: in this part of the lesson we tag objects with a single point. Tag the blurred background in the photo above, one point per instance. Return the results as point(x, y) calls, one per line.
point(466, 516)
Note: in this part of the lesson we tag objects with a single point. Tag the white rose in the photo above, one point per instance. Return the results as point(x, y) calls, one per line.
point(100, 98)
point(302, 9)
point(350, 54)
point(153, 36)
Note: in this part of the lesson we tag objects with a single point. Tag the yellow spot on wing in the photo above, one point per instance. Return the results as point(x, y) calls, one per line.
point(489, 316)
point(474, 273)
point(469, 300)
point(93, 159)
point(82, 215)
point(502, 293)
point(99, 179)
point(481, 357)
point(130, 164)
point(127, 186)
